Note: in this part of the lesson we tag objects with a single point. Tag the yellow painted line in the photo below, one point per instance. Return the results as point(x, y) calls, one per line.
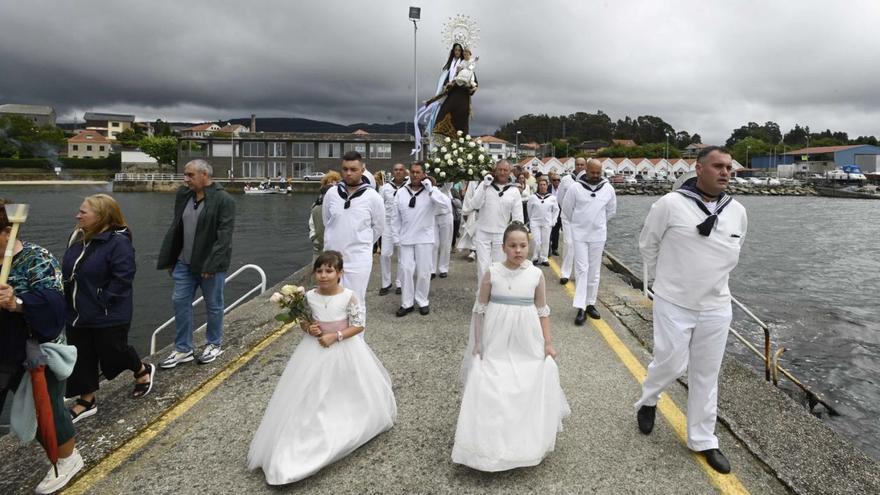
point(724, 483)
point(126, 450)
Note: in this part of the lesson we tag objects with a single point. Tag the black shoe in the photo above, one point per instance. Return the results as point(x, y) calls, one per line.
point(716, 459)
point(401, 311)
point(645, 417)
point(443, 275)
point(433, 276)
point(423, 310)
point(563, 281)
point(580, 318)
point(398, 291)
point(594, 314)
point(384, 291)
point(555, 253)
point(545, 263)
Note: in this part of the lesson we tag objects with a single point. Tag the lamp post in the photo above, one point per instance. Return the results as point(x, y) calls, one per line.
point(516, 148)
point(415, 13)
point(667, 146)
point(749, 147)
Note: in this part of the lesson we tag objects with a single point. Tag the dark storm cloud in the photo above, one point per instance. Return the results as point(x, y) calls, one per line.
point(704, 67)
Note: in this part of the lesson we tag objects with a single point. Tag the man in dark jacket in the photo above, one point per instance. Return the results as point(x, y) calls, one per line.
point(197, 250)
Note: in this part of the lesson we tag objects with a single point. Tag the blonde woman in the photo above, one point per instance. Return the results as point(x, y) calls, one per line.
point(98, 269)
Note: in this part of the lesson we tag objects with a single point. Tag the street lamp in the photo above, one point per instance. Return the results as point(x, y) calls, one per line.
point(516, 149)
point(667, 145)
point(415, 13)
point(749, 147)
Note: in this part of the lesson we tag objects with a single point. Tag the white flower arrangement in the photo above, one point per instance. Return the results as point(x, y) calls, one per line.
point(460, 159)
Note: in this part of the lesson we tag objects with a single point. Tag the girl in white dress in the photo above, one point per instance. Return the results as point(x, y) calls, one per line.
point(512, 404)
point(334, 394)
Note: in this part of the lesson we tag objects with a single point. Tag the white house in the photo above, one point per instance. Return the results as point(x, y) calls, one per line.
point(201, 130)
point(531, 164)
point(644, 167)
point(498, 148)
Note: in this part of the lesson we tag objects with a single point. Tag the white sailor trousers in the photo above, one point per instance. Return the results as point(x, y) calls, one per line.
point(540, 241)
point(587, 267)
point(567, 250)
point(488, 248)
point(692, 340)
point(356, 276)
point(385, 261)
point(414, 271)
point(442, 247)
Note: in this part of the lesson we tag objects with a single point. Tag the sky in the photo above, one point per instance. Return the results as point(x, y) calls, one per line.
point(703, 66)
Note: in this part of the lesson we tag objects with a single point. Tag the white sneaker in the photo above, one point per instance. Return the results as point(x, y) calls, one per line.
point(67, 469)
point(176, 358)
point(210, 353)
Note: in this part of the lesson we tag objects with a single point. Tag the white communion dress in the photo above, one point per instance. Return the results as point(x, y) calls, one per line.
point(512, 404)
point(328, 402)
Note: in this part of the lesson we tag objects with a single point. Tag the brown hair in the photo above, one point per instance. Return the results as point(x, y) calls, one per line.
point(4, 220)
point(108, 212)
point(329, 258)
point(330, 177)
point(515, 226)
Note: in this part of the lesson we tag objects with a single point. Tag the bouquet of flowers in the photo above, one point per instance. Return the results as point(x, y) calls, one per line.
point(460, 159)
point(293, 299)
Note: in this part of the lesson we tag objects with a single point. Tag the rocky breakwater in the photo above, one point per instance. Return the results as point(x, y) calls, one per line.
point(656, 189)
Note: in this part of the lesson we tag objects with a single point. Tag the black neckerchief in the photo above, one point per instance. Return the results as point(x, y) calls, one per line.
point(543, 197)
point(500, 190)
point(589, 187)
point(343, 192)
point(412, 195)
point(690, 190)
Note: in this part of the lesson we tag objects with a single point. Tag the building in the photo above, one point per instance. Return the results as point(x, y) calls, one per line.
point(88, 144)
point(529, 149)
point(108, 124)
point(591, 146)
point(692, 150)
point(200, 131)
point(41, 115)
point(498, 147)
point(261, 155)
point(821, 159)
point(234, 129)
point(133, 161)
point(626, 143)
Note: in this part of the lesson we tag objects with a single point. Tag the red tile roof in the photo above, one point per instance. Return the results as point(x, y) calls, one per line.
point(200, 127)
point(493, 139)
point(89, 136)
point(360, 132)
point(624, 142)
point(821, 149)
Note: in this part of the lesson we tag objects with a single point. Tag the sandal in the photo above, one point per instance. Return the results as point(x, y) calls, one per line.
point(142, 389)
point(91, 408)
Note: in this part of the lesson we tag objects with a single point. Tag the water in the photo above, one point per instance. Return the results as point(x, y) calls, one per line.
point(808, 268)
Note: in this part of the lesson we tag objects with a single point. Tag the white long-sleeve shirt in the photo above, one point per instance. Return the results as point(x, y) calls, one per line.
point(443, 211)
point(387, 192)
point(691, 270)
point(415, 225)
point(496, 212)
point(588, 215)
point(543, 211)
point(353, 230)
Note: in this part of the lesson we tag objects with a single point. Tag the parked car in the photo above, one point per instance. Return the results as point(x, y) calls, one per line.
point(740, 181)
point(315, 176)
point(617, 179)
point(628, 179)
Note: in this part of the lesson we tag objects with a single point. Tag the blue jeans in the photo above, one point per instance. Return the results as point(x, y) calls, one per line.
point(185, 285)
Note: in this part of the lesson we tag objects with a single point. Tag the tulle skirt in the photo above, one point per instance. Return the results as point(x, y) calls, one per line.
point(512, 404)
point(327, 403)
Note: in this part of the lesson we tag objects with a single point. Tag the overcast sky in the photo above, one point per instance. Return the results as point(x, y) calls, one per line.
point(704, 66)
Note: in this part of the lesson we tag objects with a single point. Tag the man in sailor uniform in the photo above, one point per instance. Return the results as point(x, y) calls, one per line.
point(543, 212)
point(588, 205)
point(692, 239)
point(354, 219)
point(580, 165)
point(412, 224)
point(442, 232)
point(387, 192)
point(499, 202)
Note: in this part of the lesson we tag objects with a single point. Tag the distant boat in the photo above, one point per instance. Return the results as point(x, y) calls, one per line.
point(266, 188)
point(846, 192)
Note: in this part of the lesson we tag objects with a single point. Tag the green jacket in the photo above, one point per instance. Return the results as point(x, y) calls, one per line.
point(212, 247)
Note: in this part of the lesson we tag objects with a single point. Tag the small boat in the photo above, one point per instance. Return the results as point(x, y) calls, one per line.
point(264, 188)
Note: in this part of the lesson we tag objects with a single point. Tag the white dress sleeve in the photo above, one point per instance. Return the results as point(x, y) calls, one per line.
point(541, 298)
point(357, 314)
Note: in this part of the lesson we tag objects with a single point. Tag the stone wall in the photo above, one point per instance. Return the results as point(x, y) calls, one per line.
point(653, 189)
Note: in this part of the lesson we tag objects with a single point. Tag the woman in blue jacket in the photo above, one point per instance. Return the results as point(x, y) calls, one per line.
point(98, 269)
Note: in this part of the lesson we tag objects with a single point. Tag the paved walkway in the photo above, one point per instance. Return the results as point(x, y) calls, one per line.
point(201, 445)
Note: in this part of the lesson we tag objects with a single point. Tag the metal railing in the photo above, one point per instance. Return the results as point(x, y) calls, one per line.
point(772, 368)
point(261, 287)
point(147, 177)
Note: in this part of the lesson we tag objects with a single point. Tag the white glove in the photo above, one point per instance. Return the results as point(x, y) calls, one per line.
point(488, 180)
point(426, 183)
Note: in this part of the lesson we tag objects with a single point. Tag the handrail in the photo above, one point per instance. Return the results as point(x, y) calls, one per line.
point(771, 362)
point(259, 287)
point(121, 176)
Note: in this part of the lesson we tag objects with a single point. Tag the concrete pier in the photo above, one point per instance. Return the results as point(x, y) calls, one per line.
point(192, 433)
